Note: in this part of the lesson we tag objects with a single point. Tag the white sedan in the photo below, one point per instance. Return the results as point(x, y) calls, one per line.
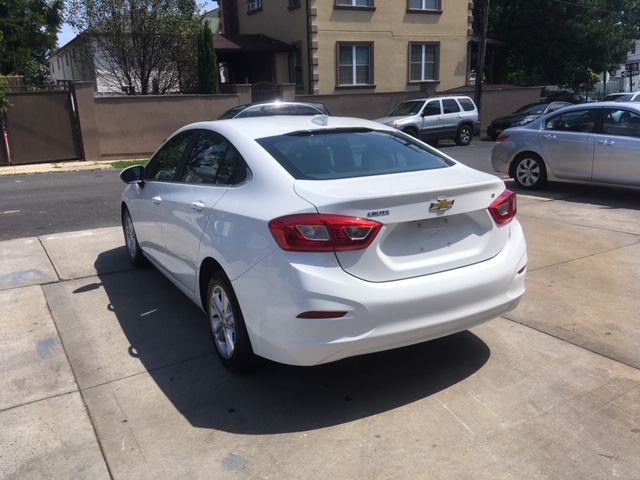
point(311, 239)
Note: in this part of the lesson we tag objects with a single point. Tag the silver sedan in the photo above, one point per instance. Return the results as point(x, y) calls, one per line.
point(589, 143)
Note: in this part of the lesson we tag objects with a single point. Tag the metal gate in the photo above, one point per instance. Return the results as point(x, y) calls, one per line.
point(262, 91)
point(41, 127)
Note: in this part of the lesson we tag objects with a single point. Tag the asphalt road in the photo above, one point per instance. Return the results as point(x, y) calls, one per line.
point(40, 204)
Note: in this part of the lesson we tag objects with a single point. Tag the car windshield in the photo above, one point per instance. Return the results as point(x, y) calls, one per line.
point(231, 113)
point(334, 154)
point(407, 108)
point(627, 97)
point(532, 109)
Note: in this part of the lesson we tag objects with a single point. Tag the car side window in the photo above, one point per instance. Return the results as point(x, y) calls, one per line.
point(307, 110)
point(164, 164)
point(432, 108)
point(583, 120)
point(213, 160)
point(270, 110)
point(467, 104)
point(450, 106)
point(622, 122)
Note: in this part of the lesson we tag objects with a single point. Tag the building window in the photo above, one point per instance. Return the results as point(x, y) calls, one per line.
point(294, 4)
point(354, 3)
point(295, 68)
point(431, 5)
point(423, 62)
point(254, 5)
point(354, 64)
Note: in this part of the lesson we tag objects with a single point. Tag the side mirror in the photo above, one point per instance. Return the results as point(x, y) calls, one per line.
point(133, 174)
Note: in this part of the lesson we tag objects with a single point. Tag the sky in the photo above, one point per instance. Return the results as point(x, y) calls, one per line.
point(66, 33)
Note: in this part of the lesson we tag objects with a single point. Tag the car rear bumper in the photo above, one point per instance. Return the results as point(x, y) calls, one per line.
point(379, 316)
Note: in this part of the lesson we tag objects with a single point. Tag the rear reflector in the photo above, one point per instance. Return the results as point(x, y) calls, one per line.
point(312, 232)
point(504, 208)
point(321, 314)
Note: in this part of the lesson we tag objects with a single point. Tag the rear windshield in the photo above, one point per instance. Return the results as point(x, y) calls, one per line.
point(337, 154)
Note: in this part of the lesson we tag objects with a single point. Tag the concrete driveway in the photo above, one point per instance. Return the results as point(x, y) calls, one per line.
point(109, 372)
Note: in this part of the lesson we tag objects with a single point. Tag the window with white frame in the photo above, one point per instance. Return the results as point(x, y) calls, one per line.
point(254, 4)
point(423, 62)
point(354, 64)
point(355, 3)
point(424, 5)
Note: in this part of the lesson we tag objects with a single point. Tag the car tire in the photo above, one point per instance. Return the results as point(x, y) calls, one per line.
point(226, 323)
point(464, 136)
point(131, 240)
point(529, 172)
point(411, 131)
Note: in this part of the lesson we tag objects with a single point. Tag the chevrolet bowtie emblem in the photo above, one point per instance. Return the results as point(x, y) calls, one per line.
point(443, 203)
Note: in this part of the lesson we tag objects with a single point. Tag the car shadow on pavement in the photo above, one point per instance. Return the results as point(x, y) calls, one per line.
point(602, 196)
point(170, 337)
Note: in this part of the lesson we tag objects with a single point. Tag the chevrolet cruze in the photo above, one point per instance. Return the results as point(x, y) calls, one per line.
point(306, 240)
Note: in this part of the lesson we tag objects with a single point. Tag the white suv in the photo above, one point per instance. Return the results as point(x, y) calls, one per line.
point(437, 118)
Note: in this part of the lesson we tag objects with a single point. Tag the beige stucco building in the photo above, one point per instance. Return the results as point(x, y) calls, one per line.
point(339, 46)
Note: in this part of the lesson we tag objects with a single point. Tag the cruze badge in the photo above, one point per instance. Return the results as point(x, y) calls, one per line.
point(443, 203)
point(379, 213)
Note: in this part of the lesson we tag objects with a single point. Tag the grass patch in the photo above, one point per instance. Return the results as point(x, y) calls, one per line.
point(120, 164)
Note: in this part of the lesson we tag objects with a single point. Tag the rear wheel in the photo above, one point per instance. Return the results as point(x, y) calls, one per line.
point(131, 240)
point(529, 172)
point(464, 136)
point(228, 330)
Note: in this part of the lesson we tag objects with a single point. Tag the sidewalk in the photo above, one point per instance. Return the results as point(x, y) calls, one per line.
point(109, 372)
point(75, 165)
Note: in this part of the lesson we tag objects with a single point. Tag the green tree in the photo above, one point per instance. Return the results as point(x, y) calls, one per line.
point(553, 42)
point(141, 46)
point(208, 74)
point(30, 29)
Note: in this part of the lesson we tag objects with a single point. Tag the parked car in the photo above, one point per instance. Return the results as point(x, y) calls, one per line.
point(310, 239)
point(434, 119)
point(590, 143)
point(271, 108)
point(525, 114)
point(622, 97)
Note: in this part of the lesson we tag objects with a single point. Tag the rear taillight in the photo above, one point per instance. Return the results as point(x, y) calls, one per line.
point(501, 138)
point(323, 232)
point(504, 208)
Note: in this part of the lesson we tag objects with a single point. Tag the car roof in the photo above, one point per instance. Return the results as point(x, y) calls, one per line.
point(260, 127)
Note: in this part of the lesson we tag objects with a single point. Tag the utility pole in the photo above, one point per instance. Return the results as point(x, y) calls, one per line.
point(482, 50)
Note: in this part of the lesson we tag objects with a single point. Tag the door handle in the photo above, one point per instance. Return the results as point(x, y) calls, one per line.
point(550, 136)
point(199, 206)
point(606, 142)
point(157, 199)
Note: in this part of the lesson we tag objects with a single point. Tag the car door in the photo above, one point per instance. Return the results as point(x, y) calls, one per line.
point(451, 117)
point(146, 207)
point(568, 141)
point(617, 148)
point(431, 123)
point(209, 169)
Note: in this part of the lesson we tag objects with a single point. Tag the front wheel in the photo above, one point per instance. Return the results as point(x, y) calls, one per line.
point(529, 172)
point(464, 136)
point(131, 240)
point(228, 330)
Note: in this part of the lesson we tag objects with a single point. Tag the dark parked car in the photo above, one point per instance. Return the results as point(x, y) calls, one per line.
point(522, 116)
point(273, 107)
point(623, 97)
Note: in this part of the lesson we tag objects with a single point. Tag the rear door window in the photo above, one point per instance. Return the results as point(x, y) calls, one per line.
point(450, 106)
